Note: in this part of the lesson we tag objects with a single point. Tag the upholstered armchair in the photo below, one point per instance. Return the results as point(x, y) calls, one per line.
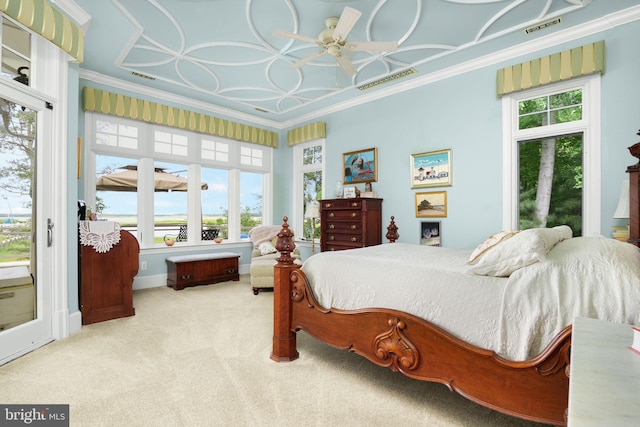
point(263, 256)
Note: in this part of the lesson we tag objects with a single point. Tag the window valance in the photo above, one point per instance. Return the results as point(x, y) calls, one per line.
point(102, 101)
point(307, 133)
point(571, 63)
point(44, 19)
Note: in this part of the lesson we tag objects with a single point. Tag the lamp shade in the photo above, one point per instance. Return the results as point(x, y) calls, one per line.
point(313, 210)
point(622, 211)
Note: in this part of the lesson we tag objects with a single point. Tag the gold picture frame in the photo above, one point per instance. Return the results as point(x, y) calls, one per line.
point(431, 205)
point(360, 166)
point(431, 169)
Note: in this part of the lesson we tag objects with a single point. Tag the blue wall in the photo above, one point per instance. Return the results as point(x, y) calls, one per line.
point(463, 113)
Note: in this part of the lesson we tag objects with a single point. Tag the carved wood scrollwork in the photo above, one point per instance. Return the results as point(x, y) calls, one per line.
point(393, 346)
point(559, 361)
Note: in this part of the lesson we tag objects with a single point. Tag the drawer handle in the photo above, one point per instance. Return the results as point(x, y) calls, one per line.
point(7, 295)
point(354, 204)
point(354, 214)
point(231, 270)
point(332, 226)
point(185, 276)
point(331, 215)
point(354, 239)
point(353, 226)
point(332, 237)
point(327, 205)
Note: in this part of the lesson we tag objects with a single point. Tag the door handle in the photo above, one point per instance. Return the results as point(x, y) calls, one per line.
point(49, 232)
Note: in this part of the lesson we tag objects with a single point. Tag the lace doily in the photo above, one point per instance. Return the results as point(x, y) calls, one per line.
point(101, 235)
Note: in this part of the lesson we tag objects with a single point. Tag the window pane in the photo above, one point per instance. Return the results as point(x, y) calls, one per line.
point(215, 150)
point(251, 156)
point(250, 202)
point(122, 205)
point(116, 135)
point(170, 143)
point(312, 155)
point(170, 207)
point(557, 108)
point(215, 200)
point(551, 183)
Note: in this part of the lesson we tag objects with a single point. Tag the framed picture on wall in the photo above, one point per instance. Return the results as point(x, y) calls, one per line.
point(430, 233)
point(360, 166)
point(431, 169)
point(430, 205)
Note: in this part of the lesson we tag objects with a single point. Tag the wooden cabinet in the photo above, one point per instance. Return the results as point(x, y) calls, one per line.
point(106, 286)
point(350, 223)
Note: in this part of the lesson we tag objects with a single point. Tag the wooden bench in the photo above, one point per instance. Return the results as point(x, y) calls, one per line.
point(202, 269)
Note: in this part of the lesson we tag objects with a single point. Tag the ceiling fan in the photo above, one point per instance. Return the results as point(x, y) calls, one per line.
point(333, 40)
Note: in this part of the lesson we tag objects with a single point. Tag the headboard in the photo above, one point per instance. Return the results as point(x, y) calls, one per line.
point(634, 196)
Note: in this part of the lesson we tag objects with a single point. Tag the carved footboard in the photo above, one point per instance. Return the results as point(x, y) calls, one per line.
point(536, 389)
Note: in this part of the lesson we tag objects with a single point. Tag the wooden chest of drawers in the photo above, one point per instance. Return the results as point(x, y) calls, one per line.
point(350, 223)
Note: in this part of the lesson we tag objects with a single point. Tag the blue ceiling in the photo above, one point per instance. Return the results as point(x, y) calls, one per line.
point(222, 53)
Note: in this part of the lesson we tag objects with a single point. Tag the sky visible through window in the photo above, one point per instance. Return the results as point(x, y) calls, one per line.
point(214, 199)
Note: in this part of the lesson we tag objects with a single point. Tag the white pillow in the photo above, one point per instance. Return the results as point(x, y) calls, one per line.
point(488, 243)
point(267, 248)
point(524, 248)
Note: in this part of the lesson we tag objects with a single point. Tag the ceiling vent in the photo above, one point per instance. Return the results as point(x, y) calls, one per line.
point(262, 110)
point(388, 79)
point(543, 25)
point(144, 76)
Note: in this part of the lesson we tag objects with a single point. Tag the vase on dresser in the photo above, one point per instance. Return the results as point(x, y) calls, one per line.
point(339, 189)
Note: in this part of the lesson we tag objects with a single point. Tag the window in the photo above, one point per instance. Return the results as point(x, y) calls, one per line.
point(308, 167)
point(551, 157)
point(227, 179)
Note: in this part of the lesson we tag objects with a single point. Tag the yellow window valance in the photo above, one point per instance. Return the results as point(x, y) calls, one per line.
point(115, 104)
point(571, 63)
point(42, 18)
point(307, 133)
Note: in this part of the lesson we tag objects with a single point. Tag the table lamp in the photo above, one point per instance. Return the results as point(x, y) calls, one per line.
point(622, 212)
point(312, 212)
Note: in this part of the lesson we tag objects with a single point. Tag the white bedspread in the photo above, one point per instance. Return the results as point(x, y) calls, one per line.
point(426, 281)
point(516, 317)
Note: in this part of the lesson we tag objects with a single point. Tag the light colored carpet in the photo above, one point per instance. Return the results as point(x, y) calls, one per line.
point(200, 357)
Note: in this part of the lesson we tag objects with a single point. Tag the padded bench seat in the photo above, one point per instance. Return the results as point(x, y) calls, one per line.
point(201, 269)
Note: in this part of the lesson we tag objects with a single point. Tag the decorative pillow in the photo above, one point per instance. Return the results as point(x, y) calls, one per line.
point(488, 243)
point(267, 248)
point(524, 248)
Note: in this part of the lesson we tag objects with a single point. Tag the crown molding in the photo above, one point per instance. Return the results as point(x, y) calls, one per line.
point(73, 12)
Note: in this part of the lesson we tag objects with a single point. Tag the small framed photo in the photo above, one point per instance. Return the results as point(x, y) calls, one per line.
point(430, 234)
point(360, 166)
point(349, 192)
point(431, 205)
point(431, 169)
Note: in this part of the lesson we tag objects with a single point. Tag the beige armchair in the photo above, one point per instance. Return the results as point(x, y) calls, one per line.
point(263, 257)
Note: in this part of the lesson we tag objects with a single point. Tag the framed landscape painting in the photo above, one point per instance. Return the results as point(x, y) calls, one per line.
point(431, 205)
point(431, 169)
point(360, 166)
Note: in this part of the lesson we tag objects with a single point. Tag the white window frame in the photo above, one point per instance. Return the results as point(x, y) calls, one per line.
point(299, 169)
point(589, 127)
point(146, 156)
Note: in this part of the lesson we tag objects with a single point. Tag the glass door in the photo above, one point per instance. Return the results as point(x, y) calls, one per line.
point(25, 224)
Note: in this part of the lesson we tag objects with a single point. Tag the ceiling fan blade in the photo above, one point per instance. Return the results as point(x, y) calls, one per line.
point(371, 46)
point(346, 22)
point(307, 59)
point(280, 33)
point(345, 65)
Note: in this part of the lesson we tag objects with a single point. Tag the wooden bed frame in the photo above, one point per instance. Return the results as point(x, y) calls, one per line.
point(535, 389)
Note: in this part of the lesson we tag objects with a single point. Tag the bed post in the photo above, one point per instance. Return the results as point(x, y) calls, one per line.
point(284, 339)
